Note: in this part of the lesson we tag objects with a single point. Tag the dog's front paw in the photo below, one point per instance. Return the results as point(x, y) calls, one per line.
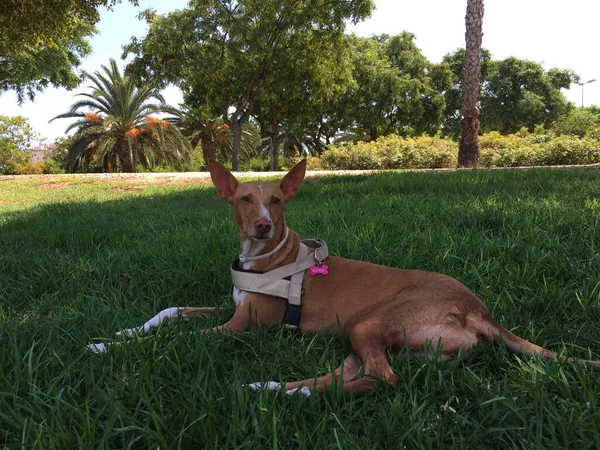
point(268, 386)
point(98, 348)
point(304, 391)
point(130, 332)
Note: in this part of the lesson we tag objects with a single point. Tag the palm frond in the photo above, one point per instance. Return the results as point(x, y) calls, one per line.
point(124, 108)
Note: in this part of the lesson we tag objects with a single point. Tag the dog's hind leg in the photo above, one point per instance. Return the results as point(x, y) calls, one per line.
point(376, 369)
point(346, 372)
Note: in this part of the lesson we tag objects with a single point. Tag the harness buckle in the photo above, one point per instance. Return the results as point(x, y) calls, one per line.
point(316, 253)
point(291, 317)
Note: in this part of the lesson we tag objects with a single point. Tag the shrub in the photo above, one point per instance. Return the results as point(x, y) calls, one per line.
point(393, 152)
point(31, 168)
point(577, 122)
point(313, 163)
point(520, 149)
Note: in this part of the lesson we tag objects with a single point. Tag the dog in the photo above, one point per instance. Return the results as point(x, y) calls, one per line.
point(378, 309)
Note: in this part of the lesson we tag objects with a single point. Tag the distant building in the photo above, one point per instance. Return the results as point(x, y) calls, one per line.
point(40, 152)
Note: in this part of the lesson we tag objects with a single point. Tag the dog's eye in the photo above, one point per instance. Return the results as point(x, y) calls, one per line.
point(275, 200)
point(246, 198)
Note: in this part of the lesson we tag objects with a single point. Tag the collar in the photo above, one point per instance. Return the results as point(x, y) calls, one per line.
point(243, 258)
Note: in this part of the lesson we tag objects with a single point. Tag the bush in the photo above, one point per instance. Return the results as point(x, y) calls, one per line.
point(577, 122)
point(520, 149)
point(393, 152)
point(30, 168)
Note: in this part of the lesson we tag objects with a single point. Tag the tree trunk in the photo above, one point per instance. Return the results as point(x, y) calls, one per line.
point(125, 157)
point(274, 146)
point(237, 139)
point(469, 150)
point(209, 149)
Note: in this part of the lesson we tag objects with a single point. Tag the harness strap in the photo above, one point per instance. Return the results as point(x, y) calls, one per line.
point(274, 282)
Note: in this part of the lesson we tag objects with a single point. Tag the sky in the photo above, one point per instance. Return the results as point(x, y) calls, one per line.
point(553, 33)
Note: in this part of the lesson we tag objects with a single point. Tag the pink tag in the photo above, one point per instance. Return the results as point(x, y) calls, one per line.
point(323, 270)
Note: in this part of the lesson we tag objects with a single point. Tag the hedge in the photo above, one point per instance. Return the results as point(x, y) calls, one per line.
point(426, 152)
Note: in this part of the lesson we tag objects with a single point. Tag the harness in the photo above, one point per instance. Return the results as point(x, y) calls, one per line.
point(285, 281)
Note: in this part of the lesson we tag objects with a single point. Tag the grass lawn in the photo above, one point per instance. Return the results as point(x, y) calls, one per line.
point(81, 259)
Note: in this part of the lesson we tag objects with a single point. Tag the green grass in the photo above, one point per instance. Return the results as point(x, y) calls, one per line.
point(80, 261)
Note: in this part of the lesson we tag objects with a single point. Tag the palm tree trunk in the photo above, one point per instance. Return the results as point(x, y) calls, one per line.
point(274, 146)
point(469, 150)
point(124, 155)
point(237, 139)
point(209, 148)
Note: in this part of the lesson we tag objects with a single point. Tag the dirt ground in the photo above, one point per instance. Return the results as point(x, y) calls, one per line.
point(204, 177)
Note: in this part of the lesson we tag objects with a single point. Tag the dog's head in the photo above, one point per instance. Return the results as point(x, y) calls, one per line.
point(258, 207)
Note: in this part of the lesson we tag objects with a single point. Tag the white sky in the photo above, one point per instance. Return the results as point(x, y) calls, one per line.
point(554, 33)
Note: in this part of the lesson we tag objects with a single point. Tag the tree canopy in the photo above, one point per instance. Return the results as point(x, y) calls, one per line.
point(222, 53)
point(43, 41)
point(116, 126)
point(515, 93)
point(396, 89)
point(16, 136)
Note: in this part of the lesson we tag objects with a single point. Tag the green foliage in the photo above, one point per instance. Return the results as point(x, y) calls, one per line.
point(519, 149)
point(45, 22)
point(578, 122)
point(395, 90)
point(43, 41)
point(60, 153)
point(524, 149)
point(16, 135)
point(520, 93)
point(392, 152)
point(115, 126)
point(222, 54)
point(31, 69)
point(514, 93)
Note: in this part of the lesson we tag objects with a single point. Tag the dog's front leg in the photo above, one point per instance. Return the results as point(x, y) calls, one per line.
point(169, 314)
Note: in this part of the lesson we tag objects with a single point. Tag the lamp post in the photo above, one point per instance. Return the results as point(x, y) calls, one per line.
point(582, 84)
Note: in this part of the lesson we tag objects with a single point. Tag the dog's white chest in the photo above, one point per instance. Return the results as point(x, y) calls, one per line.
point(238, 296)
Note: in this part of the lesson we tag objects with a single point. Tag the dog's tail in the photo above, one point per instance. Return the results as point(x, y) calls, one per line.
point(492, 330)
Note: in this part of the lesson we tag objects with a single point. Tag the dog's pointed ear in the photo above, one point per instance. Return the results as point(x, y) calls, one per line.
point(223, 180)
point(292, 180)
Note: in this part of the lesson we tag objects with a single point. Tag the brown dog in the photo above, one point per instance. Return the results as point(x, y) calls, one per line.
point(377, 308)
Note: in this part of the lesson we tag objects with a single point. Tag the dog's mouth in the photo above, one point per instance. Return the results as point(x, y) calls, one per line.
point(261, 236)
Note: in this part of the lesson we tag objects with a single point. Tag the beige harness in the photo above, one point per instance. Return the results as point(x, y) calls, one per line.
point(285, 281)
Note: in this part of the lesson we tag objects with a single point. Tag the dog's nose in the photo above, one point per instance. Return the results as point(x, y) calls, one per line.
point(263, 225)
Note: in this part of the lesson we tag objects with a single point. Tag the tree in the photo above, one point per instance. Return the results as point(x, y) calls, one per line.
point(514, 94)
point(469, 150)
point(33, 68)
point(369, 107)
point(221, 53)
point(453, 97)
point(212, 134)
point(301, 88)
point(42, 41)
point(578, 122)
point(395, 89)
point(116, 126)
point(520, 93)
point(16, 136)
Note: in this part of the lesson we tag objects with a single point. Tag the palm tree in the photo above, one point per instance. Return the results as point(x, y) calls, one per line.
point(116, 126)
point(469, 150)
point(216, 139)
point(212, 134)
